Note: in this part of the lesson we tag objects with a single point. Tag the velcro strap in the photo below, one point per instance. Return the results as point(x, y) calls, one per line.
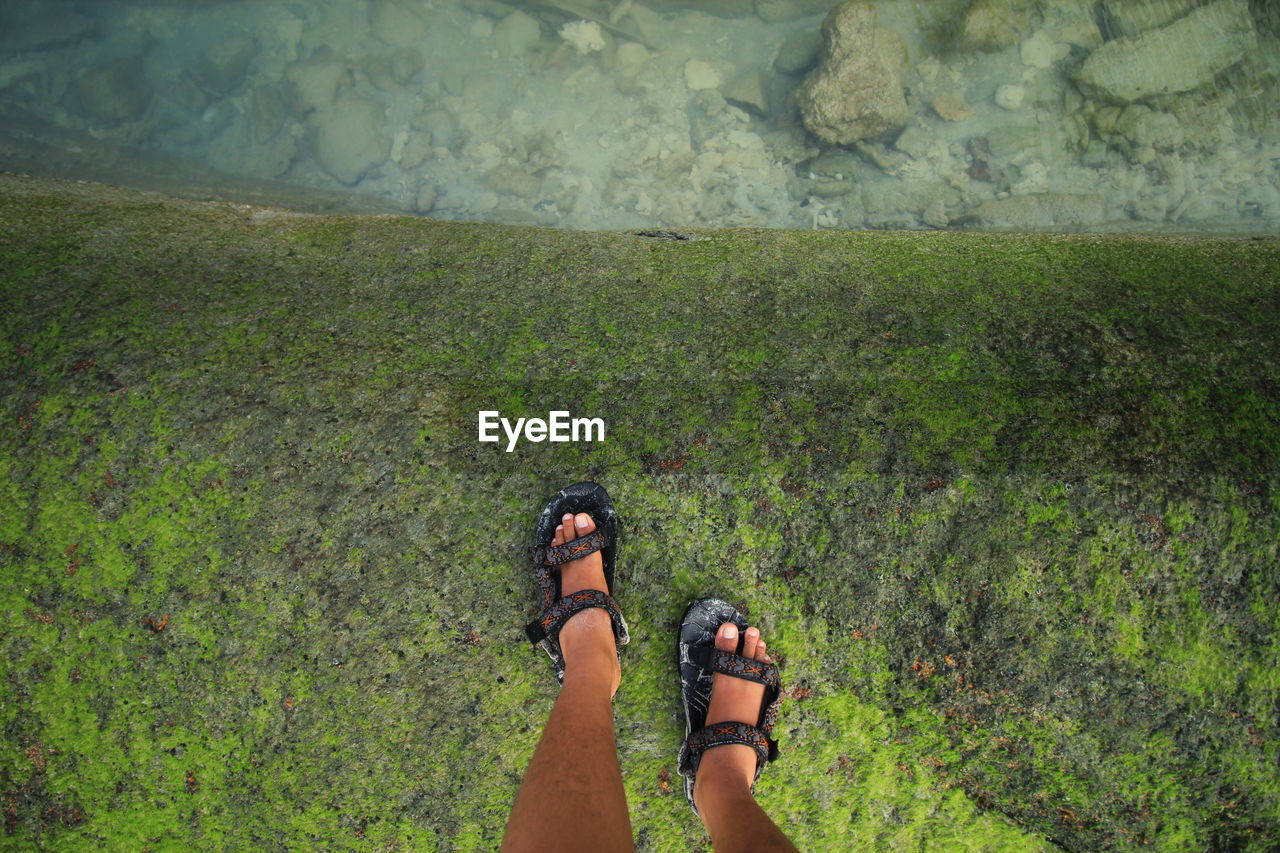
point(559, 612)
point(554, 555)
point(722, 734)
point(717, 660)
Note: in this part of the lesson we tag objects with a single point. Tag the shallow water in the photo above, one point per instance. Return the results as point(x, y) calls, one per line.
point(1058, 115)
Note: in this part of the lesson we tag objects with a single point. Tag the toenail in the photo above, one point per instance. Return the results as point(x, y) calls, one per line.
point(752, 633)
point(730, 632)
point(581, 522)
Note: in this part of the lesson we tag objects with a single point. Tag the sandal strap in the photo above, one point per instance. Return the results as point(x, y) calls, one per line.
point(547, 557)
point(554, 617)
point(711, 659)
point(718, 660)
point(575, 549)
point(723, 734)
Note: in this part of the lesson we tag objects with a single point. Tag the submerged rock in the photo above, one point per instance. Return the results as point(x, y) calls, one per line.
point(236, 150)
point(748, 92)
point(1010, 97)
point(631, 57)
point(892, 197)
point(53, 26)
point(266, 113)
point(914, 141)
point(1040, 210)
point(583, 36)
point(510, 179)
point(1022, 134)
point(1145, 126)
point(723, 8)
point(771, 11)
point(349, 142)
point(114, 92)
point(1041, 51)
point(426, 198)
point(951, 107)
point(699, 75)
point(516, 34)
point(856, 91)
point(223, 66)
point(390, 73)
point(1073, 22)
point(774, 11)
point(992, 25)
point(799, 53)
point(1182, 56)
point(1126, 18)
point(397, 23)
point(319, 79)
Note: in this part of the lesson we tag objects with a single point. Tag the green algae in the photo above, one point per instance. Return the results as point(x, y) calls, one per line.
point(1006, 507)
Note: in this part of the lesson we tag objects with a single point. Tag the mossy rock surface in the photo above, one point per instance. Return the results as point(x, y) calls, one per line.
point(1005, 506)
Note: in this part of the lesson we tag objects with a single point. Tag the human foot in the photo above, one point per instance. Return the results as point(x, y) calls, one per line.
point(732, 766)
point(586, 639)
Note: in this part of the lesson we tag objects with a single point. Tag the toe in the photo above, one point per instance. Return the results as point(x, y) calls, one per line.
point(558, 539)
point(583, 524)
point(727, 637)
point(750, 638)
point(760, 653)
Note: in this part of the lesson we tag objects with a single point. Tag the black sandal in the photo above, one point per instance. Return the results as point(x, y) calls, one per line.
point(556, 610)
point(699, 660)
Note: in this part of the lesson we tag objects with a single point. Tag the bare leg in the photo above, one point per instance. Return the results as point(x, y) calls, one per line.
point(572, 796)
point(722, 788)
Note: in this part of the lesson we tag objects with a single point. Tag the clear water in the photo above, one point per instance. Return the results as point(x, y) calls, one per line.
point(660, 114)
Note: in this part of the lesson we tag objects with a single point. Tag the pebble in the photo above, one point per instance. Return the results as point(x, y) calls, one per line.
point(700, 75)
point(1010, 97)
point(951, 107)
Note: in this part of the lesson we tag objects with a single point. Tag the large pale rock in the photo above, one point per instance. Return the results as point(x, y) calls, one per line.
point(1039, 211)
point(348, 140)
point(396, 22)
point(856, 90)
point(517, 33)
point(1182, 56)
point(1128, 18)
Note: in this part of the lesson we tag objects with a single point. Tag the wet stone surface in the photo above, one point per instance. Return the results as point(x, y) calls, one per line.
point(1005, 507)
